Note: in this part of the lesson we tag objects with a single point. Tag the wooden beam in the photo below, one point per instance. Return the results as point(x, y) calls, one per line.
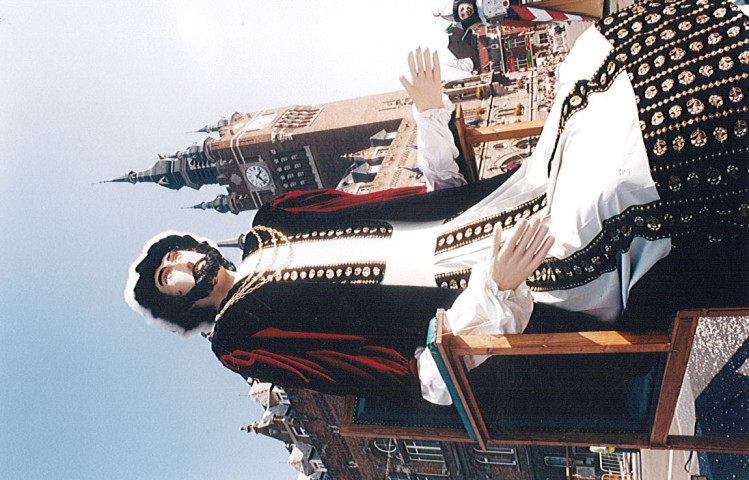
point(503, 132)
point(573, 439)
point(349, 429)
point(461, 384)
point(466, 146)
point(405, 433)
point(708, 444)
point(682, 335)
point(561, 343)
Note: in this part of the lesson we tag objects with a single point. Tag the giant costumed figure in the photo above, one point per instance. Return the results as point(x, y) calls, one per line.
point(634, 196)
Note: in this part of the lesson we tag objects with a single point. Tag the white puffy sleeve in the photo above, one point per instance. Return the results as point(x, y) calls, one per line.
point(436, 148)
point(482, 309)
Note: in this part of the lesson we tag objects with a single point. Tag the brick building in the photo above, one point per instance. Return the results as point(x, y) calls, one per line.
point(307, 423)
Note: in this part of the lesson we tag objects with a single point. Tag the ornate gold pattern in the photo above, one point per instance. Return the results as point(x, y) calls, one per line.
point(691, 182)
point(359, 229)
point(455, 279)
point(355, 273)
point(482, 228)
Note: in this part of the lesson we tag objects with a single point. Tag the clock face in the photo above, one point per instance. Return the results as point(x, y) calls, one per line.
point(258, 176)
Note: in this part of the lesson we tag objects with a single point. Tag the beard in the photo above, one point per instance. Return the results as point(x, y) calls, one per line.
point(205, 273)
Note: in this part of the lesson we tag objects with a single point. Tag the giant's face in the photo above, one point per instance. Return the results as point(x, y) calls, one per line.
point(465, 10)
point(178, 271)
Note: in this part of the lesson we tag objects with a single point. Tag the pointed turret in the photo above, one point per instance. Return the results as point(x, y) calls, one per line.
point(222, 204)
point(233, 242)
point(213, 128)
point(165, 172)
point(190, 167)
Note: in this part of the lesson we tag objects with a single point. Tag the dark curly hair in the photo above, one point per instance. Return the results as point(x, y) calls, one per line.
point(177, 310)
point(473, 19)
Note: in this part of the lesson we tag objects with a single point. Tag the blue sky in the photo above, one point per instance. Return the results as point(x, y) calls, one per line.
point(88, 91)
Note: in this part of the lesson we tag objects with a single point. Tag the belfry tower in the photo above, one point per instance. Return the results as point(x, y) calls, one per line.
point(259, 155)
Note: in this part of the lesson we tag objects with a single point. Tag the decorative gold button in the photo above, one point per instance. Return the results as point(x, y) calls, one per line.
point(686, 77)
point(695, 106)
point(679, 143)
point(720, 134)
point(725, 63)
point(740, 128)
point(698, 138)
point(735, 94)
point(674, 183)
point(660, 147)
point(706, 70)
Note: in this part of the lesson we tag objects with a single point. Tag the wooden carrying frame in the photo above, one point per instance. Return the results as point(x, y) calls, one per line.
point(449, 349)
point(468, 137)
point(676, 344)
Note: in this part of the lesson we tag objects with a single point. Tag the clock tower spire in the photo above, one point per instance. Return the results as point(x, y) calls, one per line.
point(191, 167)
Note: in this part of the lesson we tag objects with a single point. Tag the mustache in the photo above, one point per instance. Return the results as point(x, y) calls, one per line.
point(207, 268)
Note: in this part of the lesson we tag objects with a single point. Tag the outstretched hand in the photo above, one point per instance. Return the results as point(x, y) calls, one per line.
point(425, 87)
point(522, 253)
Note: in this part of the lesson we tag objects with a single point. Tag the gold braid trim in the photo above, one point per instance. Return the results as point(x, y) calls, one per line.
point(259, 278)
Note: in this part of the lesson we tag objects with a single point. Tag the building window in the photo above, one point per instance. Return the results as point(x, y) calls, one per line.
point(520, 62)
point(422, 451)
point(398, 476)
point(516, 42)
point(495, 456)
point(553, 461)
point(388, 445)
point(396, 103)
point(317, 465)
point(298, 117)
point(297, 168)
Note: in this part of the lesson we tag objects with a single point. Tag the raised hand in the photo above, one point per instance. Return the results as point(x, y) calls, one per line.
point(425, 87)
point(522, 253)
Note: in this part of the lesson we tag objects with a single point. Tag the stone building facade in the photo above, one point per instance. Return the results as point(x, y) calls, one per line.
point(307, 423)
